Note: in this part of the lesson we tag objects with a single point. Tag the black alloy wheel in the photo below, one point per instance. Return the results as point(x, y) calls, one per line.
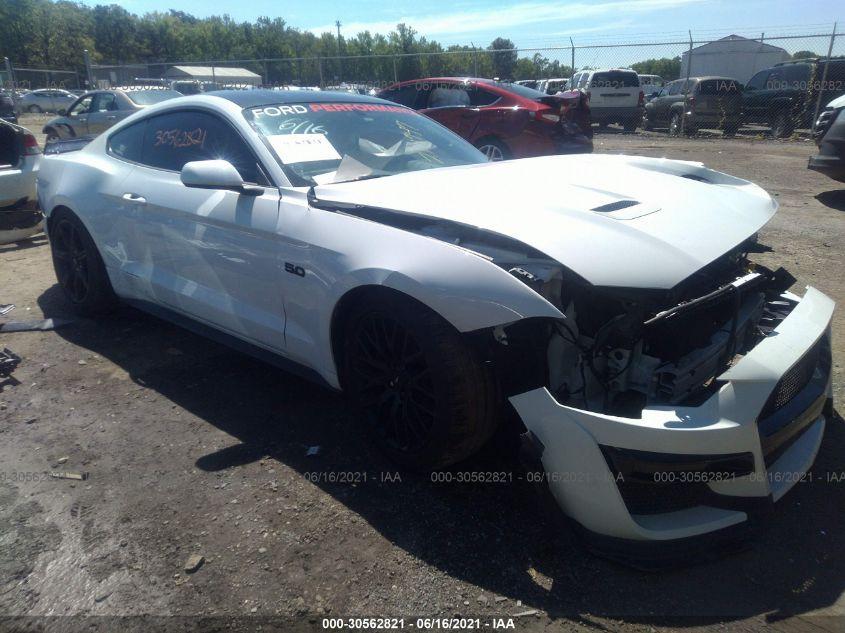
point(72, 260)
point(393, 383)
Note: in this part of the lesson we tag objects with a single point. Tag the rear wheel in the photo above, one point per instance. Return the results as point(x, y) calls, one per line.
point(52, 136)
point(34, 109)
point(494, 149)
point(78, 265)
point(425, 398)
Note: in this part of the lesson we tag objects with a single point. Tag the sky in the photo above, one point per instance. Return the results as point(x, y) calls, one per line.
point(528, 22)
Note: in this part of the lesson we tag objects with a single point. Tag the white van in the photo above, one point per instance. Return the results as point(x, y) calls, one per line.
point(615, 96)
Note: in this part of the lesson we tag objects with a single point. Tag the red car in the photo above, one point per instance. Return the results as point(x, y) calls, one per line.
point(503, 120)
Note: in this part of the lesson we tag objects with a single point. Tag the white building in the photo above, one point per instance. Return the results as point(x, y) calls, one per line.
point(732, 56)
point(216, 74)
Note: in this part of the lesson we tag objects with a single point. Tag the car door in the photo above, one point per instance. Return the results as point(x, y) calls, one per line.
point(450, 105)
point(755, 98)
point(209, 253)
point(104, 112)
point(77, 115)
point(659, 106)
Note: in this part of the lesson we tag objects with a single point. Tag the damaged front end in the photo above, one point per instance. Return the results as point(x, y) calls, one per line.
point(664, 416)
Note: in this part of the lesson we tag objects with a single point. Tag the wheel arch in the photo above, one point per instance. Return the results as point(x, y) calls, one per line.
point(498, 299)
point(344, 308)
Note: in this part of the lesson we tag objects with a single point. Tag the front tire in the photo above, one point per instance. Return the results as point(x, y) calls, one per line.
point(34, 109)
point(425, 397)
point(79, 268)
point(675, 124)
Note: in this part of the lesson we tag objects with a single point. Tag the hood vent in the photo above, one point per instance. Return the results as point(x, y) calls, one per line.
point(615, 206)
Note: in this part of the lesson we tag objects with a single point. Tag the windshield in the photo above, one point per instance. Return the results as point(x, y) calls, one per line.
point(149, 97)
point(322, 143)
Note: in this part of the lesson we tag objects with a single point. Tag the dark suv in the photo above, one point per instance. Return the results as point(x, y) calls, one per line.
point(711, 102)
point(784, 96)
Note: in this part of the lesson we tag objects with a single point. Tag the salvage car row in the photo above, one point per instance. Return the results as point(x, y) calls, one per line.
point(620, 323)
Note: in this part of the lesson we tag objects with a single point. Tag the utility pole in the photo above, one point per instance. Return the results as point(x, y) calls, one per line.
point(339, 61)
point(686, 87)
point(824, 78)
point(89, 75)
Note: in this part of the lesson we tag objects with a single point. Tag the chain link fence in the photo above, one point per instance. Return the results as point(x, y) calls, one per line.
point(764, 85)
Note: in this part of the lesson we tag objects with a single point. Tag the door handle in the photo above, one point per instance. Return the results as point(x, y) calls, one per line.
point(134, 197)
point(111, 117)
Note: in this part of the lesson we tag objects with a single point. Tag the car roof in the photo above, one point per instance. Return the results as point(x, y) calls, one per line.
point(810, 60)
point(257, 98)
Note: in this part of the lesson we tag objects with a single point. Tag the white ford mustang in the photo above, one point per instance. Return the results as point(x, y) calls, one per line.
point(670, 388)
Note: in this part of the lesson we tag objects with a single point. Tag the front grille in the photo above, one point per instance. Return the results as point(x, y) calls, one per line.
point(798, 377)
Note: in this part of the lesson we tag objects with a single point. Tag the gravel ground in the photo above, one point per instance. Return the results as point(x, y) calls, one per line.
point(194, 449)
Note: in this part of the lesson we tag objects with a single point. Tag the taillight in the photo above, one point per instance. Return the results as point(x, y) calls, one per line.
point(641, 100)
point(545, 116)
point(30, 145)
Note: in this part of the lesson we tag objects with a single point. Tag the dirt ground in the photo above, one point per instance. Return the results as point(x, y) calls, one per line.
point(194, 449)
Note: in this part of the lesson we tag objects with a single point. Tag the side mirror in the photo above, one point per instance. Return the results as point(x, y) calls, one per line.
point(216, 174)
point(61, 112)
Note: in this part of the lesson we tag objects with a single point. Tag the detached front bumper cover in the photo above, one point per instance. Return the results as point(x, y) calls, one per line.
point(679, 473)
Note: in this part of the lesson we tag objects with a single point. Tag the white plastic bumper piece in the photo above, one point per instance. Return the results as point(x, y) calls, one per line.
point(580, 479)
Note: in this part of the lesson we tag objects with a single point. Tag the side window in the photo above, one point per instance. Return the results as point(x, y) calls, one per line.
point(776, 80)
point(448, 97)
point(104, 102)
point(81, 107)
point(480, 97)
point(675, 87)
point(128, 143)
point(758, 81)
point(404, 95)
point(176, 138)
point(582, 83)
point(797, 76)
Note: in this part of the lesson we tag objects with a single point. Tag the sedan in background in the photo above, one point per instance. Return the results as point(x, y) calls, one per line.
point(20, 157)
point(46, 100)
point(97, 111)
point(504, 120)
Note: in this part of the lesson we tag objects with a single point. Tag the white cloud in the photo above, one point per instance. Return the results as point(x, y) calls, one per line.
point(503, 18)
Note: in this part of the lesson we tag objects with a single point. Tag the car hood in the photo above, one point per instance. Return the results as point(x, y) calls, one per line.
point(622, 221)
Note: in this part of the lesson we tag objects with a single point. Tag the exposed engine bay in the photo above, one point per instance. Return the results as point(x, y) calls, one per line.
point(620, 350)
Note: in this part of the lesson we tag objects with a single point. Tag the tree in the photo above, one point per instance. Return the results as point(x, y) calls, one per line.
point(504, 57)
point(114, 32)
point(804, 55)
point(668, 69)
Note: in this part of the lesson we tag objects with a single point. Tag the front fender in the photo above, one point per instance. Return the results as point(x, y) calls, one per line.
point(465, 288)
